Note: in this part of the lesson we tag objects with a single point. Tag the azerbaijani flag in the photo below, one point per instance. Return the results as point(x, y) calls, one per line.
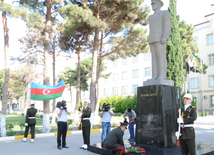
point(213, 102)
point(189, 61)
point(201, 68)
point(46, 92)
point(194, 64)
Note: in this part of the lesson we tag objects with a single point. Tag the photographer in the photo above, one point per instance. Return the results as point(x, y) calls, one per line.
point(106, 119)
point(62, 124)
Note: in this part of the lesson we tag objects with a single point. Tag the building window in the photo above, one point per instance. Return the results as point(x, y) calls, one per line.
point(210, 39)
point(147, 55)
point(134, 89)
point(124, 75)
point(211, 59)
point(211, 81)
point(105, 80)
point(194, 41)
point(194, 83)
point(124, 61)
point(195, 99)
point(115, 63)
point(124, 90)
point(135, 73)
point(135, 59)
point(114, 91)
point(105, 91)
point(148, 71)
point(212, 100)
point(83, 93)
point(115, 77)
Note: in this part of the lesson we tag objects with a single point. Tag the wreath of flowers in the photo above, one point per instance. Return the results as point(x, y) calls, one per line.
point(136, 149)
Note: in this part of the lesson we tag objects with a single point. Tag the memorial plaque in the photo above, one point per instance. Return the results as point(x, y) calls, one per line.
point(156, 122)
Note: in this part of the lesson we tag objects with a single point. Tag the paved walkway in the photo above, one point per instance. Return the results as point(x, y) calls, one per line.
point(204, 127)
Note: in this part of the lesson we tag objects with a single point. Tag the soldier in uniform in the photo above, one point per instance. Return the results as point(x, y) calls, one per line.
point(86, 125)
point(189, 115)
point(30, 122)
point(114, 140)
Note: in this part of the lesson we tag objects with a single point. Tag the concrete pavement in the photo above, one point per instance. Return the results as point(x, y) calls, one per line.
point(45, 144)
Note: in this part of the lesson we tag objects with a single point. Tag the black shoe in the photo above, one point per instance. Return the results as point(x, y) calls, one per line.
point(59, 147)
point(65, 147)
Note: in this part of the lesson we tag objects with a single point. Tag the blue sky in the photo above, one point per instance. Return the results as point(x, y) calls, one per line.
point(192, 11)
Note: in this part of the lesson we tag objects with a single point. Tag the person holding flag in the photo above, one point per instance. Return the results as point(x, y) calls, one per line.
point(201, 67)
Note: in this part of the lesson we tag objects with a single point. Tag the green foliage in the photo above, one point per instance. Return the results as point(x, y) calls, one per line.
point(200, 114)
point(118, 114)
point(69, 122)
point(22, 114)
point(135, 149)
point(175, 70)
point(14, 113)
point(9, 126)
point(22, 125)
point(119, 104)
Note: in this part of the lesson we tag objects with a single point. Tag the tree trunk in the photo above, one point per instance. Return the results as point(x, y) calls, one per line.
point(99, 69)
point(25, 103)
point(93, 75)
point(6, 81)
point(46, 75)
point(78, 88)
point(53, 121)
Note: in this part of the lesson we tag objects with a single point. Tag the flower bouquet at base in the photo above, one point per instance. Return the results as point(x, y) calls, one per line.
point(136, 150)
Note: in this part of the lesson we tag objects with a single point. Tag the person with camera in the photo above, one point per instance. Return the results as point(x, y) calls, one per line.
point(30, 122)
point(106, 120)
point(86, 125)
point(62, 124)
point(132, 121)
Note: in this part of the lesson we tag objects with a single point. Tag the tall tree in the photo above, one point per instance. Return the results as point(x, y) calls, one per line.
point(110, 17)
point(175, 69)
point(189, 50)
point(6, 81)
point(76, 39)
point(48, 9)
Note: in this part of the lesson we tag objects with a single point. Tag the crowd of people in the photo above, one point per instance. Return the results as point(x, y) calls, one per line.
point(113, 139)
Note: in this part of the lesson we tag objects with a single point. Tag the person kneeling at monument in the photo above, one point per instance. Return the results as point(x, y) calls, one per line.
point(114, 140)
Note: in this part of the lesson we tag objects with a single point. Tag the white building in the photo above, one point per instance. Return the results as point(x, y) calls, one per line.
point(200, 85)
point(126, 75)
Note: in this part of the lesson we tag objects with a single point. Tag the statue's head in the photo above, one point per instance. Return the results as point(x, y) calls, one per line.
point(156, 4)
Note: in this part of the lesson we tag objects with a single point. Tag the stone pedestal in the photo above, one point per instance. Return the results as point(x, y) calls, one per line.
point(157, 112)
point(151, 82)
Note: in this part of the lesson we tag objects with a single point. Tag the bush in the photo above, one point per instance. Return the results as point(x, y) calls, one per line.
point(14, 113)
point(9, 126)
point(41, 116)
point(200, 114)
point(69, 122)
point(22, 114)
point(118, 114)
point(22, 125)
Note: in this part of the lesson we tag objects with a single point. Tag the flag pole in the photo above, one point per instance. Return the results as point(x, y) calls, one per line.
point(30, 92)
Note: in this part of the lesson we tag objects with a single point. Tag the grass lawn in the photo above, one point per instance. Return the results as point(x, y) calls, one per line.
point(16, 119)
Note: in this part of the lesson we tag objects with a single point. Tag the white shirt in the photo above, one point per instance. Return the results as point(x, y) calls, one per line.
point(63, 117)
point(106, 116)
point(186, 106)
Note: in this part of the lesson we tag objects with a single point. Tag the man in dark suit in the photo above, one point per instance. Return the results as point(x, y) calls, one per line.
point(114, 140)
point(86, 125)
point(160, 27)
point(30, 122)
point(188, 116)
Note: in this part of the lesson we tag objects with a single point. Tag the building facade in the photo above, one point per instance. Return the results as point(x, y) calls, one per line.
point(202, 85)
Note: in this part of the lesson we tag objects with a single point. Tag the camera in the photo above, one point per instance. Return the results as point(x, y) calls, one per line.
point(106, 107)
point(63, 103)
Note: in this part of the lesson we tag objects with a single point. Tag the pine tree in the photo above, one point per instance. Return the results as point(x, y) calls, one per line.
point(175, 69)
